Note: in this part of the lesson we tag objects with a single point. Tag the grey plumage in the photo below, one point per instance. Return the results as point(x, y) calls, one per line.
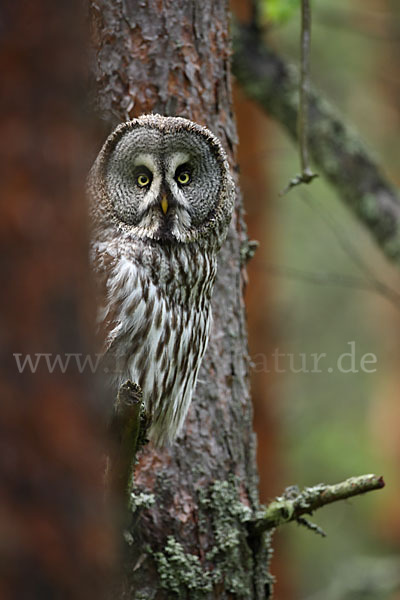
point(161, 198)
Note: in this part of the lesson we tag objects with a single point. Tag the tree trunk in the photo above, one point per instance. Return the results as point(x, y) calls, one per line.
point(189, 538)
point(55, 534)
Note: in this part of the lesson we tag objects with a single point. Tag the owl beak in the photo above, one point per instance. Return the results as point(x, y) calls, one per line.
point(164, 204)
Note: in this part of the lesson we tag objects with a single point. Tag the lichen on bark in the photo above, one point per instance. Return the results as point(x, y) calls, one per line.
point(230, 561)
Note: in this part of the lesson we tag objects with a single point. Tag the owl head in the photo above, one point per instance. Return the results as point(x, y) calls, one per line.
point(164, 179)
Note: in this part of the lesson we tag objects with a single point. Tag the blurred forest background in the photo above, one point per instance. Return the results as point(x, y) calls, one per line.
point(318, 284)
point(305, 296)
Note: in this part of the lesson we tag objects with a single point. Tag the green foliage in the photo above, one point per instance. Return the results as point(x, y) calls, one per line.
point(279, 11)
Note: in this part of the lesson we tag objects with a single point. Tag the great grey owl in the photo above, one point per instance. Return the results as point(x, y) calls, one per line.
point(161, 199)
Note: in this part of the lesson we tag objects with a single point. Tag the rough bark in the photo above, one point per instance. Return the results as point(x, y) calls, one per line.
point(336, 150)
point(189, 538)
point(55, 533)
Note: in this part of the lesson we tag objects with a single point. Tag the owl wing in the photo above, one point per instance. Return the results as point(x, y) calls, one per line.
point(103, 264)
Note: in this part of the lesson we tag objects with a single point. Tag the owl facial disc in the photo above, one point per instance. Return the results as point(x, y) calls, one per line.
point(164, 184)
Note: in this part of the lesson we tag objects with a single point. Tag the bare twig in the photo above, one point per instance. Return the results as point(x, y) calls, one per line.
point(306, 175)
point(337, 230)
point(311, 526)
point(346, 281)
point(373, 283)
point(292, 506)
point(320, 278)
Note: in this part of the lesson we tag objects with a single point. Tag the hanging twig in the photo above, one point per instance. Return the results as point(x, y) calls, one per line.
point(304, 88)
point(306, 175)
point(294, 504)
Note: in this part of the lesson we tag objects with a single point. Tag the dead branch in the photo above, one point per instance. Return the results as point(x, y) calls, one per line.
point(293, 504)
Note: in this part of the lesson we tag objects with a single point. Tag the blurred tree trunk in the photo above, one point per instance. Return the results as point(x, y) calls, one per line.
point(254, 148)
point(56, 539)
point(254, 154)
point(190, 538)
point(254, 151)
point(384, 415)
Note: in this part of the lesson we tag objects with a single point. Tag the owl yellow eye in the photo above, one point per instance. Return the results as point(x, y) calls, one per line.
point(143, 180)
point(183, 178)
